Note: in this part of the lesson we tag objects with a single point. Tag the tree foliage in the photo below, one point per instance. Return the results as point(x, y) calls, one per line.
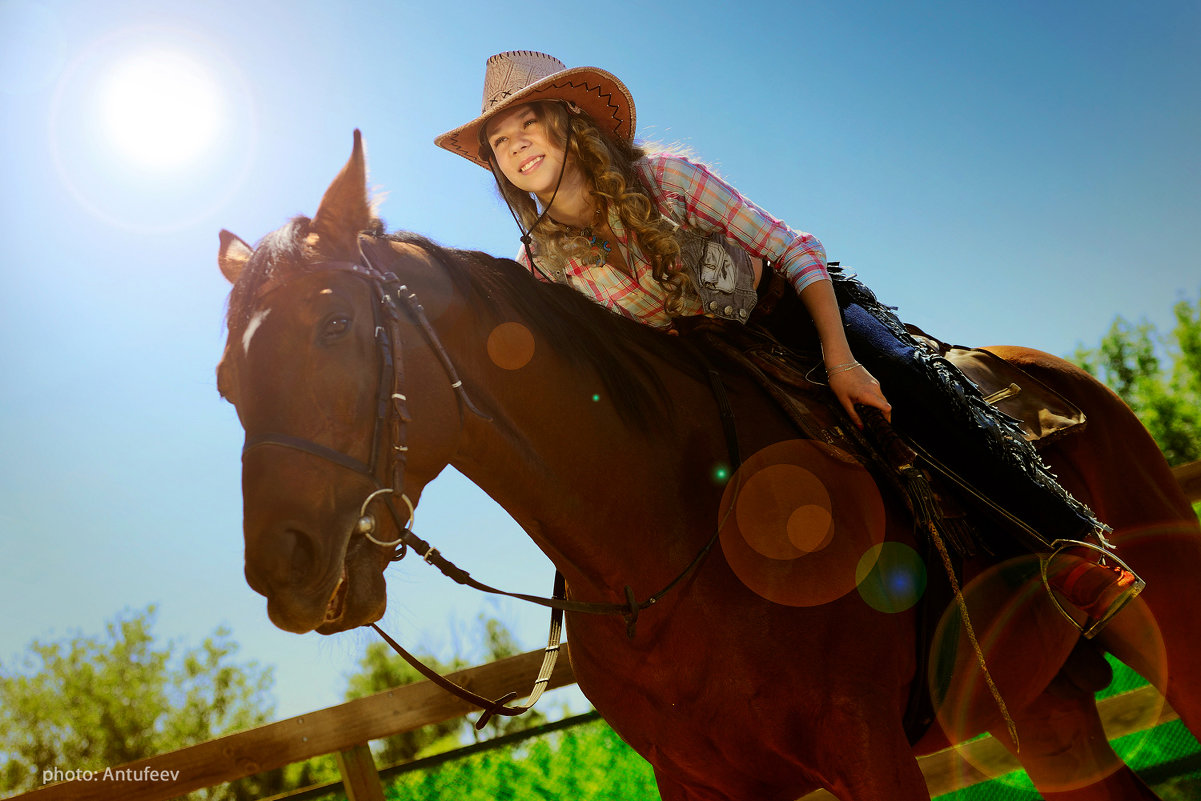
point(88, 703)
point(1159, 376)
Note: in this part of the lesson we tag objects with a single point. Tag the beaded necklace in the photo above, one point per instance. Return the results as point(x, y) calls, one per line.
point(600, 248)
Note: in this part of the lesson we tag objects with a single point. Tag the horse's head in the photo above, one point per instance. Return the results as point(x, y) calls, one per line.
point(308, 366)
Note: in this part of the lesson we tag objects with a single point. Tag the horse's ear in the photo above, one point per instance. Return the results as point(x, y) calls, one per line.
point(345, 210)
point(232, 256)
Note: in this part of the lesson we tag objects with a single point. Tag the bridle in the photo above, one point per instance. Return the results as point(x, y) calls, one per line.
point(389, 449)
point(389, 438)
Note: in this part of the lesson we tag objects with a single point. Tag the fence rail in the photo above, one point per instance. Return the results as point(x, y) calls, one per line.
point(1189, 477)
point(346, 730)
point(343, 730)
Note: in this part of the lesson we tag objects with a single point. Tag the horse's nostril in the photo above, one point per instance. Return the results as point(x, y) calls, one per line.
point(298, 551)
point(282, 557)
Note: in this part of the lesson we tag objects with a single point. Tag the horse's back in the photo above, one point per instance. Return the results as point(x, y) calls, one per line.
point(1112, 462)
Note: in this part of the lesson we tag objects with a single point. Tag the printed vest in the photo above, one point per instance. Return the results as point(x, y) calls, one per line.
point(721, 274)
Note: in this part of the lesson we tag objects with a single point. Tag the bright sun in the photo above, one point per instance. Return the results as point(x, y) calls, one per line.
point(161, 108)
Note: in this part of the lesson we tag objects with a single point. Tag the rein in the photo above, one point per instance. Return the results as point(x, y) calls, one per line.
point(392, 412)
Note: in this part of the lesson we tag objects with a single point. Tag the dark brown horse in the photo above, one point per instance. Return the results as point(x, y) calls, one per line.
point(768, 671)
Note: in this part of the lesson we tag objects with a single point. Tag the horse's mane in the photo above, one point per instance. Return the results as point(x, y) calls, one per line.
point(621, 351)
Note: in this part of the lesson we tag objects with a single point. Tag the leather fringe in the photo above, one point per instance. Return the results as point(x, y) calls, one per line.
point(1005, 438)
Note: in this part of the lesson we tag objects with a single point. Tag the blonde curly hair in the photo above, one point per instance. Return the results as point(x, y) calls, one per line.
point(609, 165)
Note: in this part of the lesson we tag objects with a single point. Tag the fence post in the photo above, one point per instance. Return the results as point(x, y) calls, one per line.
point(360, 779)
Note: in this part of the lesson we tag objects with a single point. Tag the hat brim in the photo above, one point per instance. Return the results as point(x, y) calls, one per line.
point(599, 93)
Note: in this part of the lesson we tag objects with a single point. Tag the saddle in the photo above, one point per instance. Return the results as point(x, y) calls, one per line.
point(794, 380)
point(1044, 414)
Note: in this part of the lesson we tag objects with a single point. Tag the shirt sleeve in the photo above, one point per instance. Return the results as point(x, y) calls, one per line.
point(692, 195)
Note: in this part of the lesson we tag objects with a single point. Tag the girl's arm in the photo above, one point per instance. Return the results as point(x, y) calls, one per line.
point(692, 195)
point(850, 381)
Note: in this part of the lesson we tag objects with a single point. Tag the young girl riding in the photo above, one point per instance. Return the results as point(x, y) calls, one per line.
point(622, 226)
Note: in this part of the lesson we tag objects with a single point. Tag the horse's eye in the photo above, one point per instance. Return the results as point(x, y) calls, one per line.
point(335, 327)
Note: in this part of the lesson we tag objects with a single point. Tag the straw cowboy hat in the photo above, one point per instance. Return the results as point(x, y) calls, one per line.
point(524, 76)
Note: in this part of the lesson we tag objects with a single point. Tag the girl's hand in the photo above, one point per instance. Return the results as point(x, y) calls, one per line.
point(857, 385)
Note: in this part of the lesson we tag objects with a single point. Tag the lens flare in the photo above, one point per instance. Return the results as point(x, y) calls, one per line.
point(796, 520)
point(510, 346)
point(891, 577)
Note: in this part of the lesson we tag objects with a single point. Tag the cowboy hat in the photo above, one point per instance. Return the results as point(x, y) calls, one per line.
point(525, 76)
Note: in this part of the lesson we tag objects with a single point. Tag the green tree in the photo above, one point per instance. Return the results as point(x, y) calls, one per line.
point(87, 703)
point(1158, 376)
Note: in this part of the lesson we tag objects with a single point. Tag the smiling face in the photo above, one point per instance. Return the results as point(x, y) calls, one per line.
point(527, 151)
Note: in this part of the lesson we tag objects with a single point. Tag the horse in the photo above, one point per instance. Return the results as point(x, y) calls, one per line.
point(762, 670)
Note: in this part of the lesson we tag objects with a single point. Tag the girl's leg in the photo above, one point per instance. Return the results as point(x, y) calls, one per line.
point(938, 408)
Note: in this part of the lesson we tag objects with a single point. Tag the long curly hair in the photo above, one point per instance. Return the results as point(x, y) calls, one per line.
point(609, 165)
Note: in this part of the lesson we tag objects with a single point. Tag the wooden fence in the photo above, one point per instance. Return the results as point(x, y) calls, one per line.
point(347, 729)
point(1189, 476)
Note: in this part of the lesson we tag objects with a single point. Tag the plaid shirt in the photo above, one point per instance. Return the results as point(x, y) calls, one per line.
point(690, 195)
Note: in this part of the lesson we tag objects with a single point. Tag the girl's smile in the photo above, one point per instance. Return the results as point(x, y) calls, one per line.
point(530, 165)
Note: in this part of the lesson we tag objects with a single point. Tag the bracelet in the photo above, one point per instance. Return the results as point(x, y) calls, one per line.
point(841, 368)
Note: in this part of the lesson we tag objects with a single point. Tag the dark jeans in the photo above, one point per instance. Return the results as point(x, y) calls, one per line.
point(931, 408)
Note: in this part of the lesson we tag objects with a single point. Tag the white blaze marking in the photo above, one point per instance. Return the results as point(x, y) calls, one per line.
point(252, 327)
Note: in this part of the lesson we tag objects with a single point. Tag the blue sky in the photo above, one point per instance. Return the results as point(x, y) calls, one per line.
point(1017, 173)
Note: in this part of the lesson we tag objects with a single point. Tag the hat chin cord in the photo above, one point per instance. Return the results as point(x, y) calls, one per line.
point(526, 239)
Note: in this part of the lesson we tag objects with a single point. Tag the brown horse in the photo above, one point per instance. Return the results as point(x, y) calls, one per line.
point(769, 670)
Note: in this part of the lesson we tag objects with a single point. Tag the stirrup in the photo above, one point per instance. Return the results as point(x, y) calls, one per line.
point(1091, 626)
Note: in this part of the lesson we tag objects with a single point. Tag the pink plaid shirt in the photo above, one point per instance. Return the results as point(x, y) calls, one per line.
point(690, 195)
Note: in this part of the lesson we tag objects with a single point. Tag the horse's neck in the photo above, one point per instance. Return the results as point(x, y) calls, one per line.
point(607, 504)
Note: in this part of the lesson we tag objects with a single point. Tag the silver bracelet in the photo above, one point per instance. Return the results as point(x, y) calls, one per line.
point(841, 368)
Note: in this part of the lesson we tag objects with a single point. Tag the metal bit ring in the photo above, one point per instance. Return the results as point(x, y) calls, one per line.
point(366, 523)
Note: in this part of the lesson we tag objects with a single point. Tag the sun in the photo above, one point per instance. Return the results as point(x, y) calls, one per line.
point(161, 108)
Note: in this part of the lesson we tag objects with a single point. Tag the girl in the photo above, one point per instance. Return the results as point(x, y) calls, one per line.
point(655, 236)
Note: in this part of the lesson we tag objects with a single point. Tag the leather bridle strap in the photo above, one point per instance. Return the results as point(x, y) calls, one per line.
point(309, 447)
point(628, 610)
point(500, 705)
